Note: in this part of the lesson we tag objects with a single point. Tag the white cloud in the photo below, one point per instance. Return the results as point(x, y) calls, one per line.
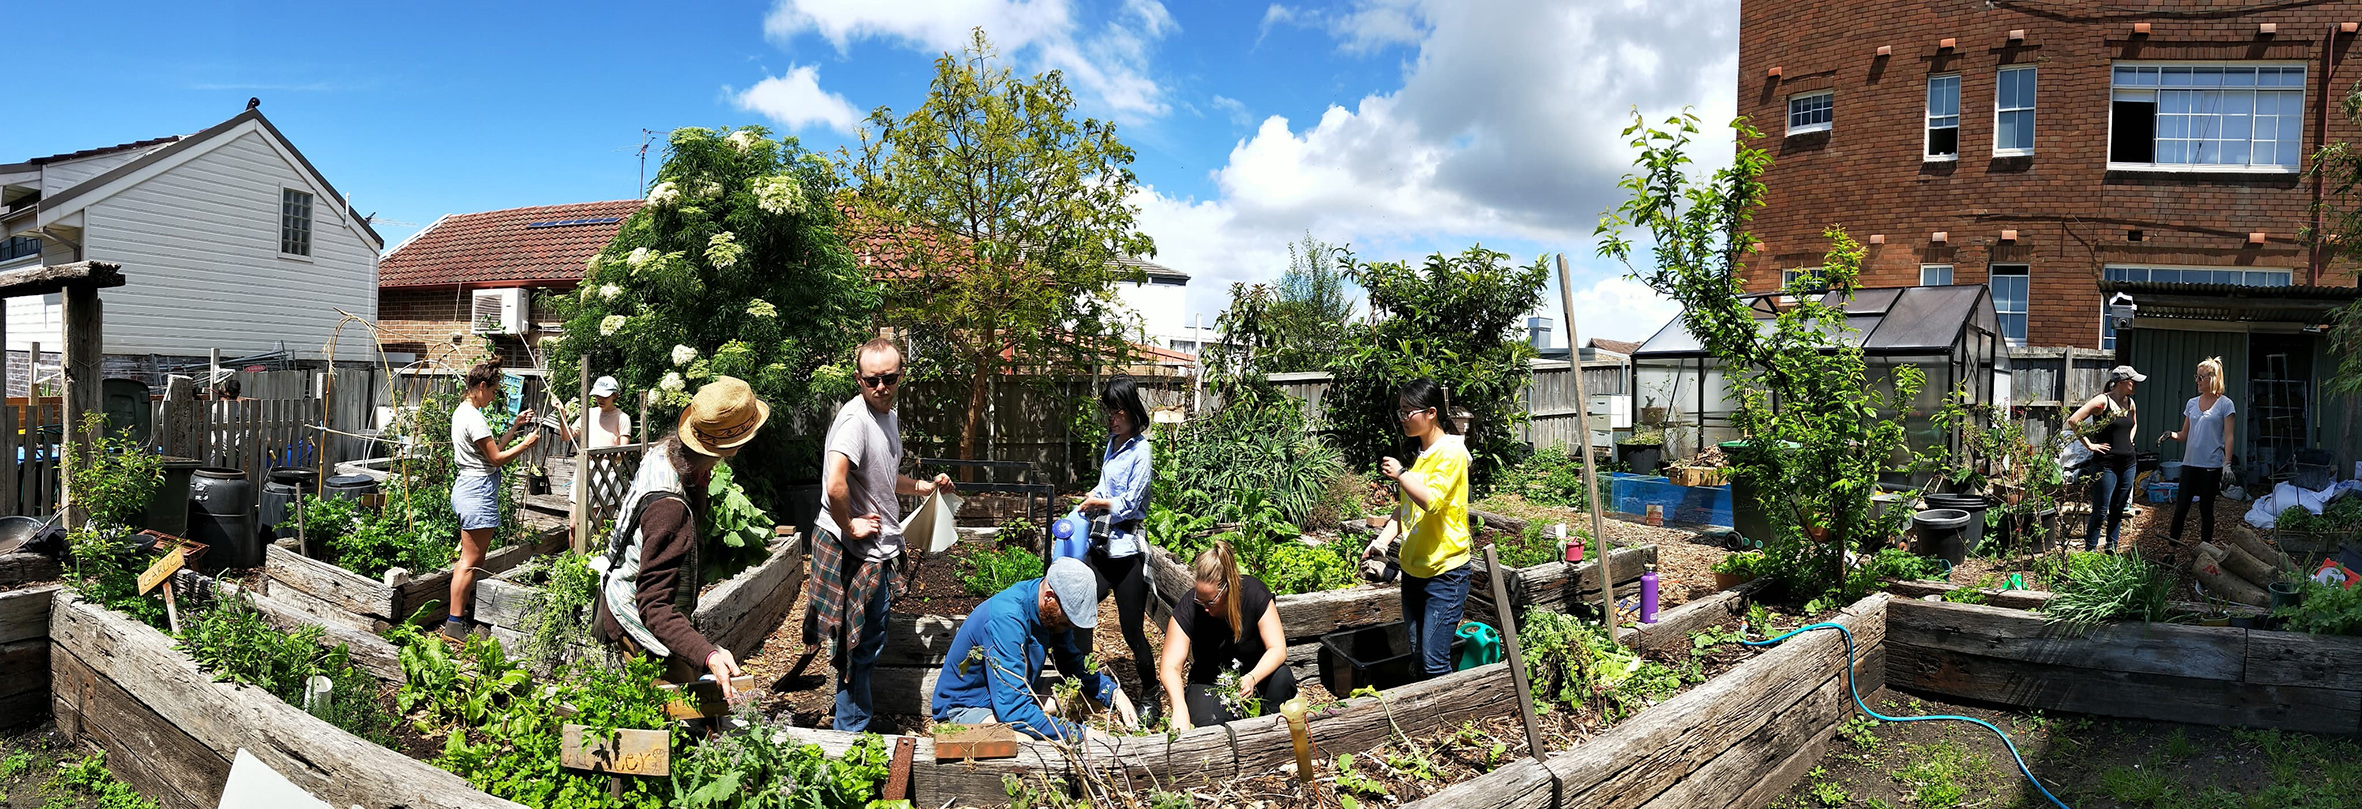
point(1236, 109)
point(1107, 61)
point(795, 101)
point(1506, 131)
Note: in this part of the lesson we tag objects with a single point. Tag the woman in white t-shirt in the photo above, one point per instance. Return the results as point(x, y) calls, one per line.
point(475, 493)
point(2208, 420)
point(605, 425)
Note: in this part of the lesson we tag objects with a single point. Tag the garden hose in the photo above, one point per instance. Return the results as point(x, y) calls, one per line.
point(1857, 694)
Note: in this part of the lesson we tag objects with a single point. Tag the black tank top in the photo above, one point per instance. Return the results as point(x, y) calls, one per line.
point(2118, 436)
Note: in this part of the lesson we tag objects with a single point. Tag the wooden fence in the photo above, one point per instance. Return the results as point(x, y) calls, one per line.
point(1553, 416)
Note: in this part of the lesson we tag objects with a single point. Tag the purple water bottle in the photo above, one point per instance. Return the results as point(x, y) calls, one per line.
point(1648, 595)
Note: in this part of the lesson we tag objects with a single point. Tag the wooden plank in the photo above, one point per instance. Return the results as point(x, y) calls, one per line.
point(144, 749)
point(18, 568)
point(975, 742)
point(342, 588)
point(81, 312)
point(2210, 653)
point(24, 666)
point(1311, 615)
point(13, 453)
point(918, 640)
point(24, 614)
point(2293, 658)
point(1766, 761)
point(1671, 631)
point(368, 652)
point(329, 763)
point(2106, 692)
point(2013, 599)
point(1560, 586)
point(738, 614)
point(502, 603)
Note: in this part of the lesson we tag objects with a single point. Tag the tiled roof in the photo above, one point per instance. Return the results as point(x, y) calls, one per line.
point(120, 147)
point(1618, 346)
point(541, 243)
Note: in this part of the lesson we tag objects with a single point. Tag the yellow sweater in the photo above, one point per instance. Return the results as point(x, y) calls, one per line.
point(1439, 542)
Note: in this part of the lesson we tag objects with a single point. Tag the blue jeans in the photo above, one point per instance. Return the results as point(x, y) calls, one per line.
point(2111, 489)
point(1431, 615)
point(972, 716)
point(476, 498)
point(854, 706)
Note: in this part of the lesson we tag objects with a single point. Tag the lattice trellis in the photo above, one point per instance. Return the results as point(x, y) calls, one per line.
point(609, 481)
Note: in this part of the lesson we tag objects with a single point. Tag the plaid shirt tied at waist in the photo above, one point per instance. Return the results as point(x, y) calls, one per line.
point(840, 587)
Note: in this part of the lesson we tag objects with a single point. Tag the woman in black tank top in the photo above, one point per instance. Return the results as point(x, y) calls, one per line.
point(2116, 422)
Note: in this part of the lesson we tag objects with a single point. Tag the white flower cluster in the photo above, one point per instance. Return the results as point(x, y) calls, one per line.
point(779, 194)
point(761, 308)
point(610, 324)
point(665, 194)
point(723, 250)
point(683, 354)
point(744, 140)
point(609, 291)
point(672, 382)
point(709, 190)
point(638, 258)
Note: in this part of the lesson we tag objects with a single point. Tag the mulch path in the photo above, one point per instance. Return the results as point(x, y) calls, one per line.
point(1683, 556)
point(2148, 529)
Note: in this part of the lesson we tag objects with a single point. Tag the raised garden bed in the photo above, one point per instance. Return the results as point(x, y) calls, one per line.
point(19, 569)
point(24, 655)
point(736, 614)
point(340, 596)
point(2197, 674)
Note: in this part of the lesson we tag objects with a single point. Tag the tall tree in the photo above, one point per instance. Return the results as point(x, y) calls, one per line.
point(1314, 307)
point(734, 267)
point(996, 220)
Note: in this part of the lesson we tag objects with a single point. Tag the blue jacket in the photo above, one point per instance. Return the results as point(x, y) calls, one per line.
point(1006, 633)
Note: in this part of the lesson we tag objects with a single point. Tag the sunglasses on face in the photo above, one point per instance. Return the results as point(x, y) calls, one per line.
point(883, 380)
point(1405, 415)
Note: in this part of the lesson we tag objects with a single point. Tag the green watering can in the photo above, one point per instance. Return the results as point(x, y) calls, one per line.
point(1482, 645)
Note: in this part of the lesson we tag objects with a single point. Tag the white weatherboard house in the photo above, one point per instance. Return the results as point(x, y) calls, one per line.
point(229, 239)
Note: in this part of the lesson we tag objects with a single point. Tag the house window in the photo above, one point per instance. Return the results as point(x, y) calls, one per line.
point(20, 247)
point(2226, 276)
point(2013, 112)
point(2241, 117)
point(295, 223)
point(1811, 112)
point(2010, 289)
point(1811, 276)
point(1943, 117)
point(1935, 275)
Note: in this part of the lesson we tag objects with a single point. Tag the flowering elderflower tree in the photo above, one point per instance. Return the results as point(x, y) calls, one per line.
point(734, 267)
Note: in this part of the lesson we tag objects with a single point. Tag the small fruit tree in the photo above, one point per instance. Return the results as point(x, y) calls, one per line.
point(1820, 430)
point(733, 268)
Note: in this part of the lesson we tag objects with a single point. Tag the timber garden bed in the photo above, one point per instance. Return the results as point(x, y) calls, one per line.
point(342, 596)
point(736, 613)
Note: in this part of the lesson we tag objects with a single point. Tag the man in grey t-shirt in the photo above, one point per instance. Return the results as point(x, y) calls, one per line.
point(860, 476)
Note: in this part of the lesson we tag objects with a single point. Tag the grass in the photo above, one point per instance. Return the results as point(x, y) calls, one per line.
point(1938, 774)
point(2139, 785)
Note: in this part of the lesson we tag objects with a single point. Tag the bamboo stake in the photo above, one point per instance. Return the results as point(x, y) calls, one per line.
point(1607, 579)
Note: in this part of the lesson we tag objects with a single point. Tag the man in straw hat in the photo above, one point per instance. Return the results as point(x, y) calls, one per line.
point(649, 574)
point(860, 529)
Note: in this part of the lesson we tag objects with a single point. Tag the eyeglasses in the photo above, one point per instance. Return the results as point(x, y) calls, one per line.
point(883, 380)
point(1405, 415)
point(1210, 605)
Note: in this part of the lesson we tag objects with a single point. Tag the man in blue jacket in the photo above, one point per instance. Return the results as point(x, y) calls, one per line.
point(988, 672)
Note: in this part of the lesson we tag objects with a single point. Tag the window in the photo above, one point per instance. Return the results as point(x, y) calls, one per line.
point(295, 223)
point(20, 247)
point(1810, 112)
point(1811, 276)
point(1935, 275)
point(2013, 112)
point(2230, 276)
point(2206, 117)
point(1943, 117)
point(2010, 289)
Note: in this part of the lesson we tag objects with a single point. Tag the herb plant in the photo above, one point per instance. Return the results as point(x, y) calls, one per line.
point(1574, 662)
point(228, 638)
point(2099, 587)
point(737, 534)
point(985, 573)
point(755, 768)
point(2326, 610)
point(557, 617)
point(87, 783)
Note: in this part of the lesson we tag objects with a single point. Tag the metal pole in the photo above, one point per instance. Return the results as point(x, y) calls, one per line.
point(1607, 578)
point(1525, 690)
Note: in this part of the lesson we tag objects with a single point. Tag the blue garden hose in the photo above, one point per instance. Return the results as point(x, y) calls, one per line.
point(1849, 686)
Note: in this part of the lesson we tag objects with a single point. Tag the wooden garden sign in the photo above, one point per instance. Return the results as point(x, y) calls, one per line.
point(975, 742)
point(631, 752)
point(163, 569)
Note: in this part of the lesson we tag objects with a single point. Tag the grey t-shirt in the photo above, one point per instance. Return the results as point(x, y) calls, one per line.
point(2205, 446)
point(873, 442)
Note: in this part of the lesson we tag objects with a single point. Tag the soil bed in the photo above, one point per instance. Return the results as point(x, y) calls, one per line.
point(1683, 555)
point(2088, 761)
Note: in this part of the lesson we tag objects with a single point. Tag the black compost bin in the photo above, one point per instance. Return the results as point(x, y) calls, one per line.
point(1376, 656)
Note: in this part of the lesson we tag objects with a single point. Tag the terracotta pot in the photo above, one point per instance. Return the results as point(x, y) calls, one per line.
point(1378, 521)
point(1725, 581)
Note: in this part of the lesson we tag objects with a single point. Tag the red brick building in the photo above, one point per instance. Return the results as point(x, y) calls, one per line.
point(2044, 147)
point(442, 292)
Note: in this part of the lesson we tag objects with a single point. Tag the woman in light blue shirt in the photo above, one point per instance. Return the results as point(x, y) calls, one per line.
point(1122, 495)
point(2208, 420)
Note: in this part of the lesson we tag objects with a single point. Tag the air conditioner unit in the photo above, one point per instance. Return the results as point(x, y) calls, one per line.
point(497, 311)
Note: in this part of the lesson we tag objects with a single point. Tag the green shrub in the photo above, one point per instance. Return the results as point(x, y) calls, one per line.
point(1745, 564)
point(558, 614)
point(737, 533)
point(1548, 477)
point(2101, 587)
point(2326, 610)
point(105, 571)
point(1571, 662)
point(228, 638)
point(985, 573)
point(1295, 567)
point(1257, 445)
point(1891, 564)
point(757, 768)
point(113, 480)
point(1536, 545)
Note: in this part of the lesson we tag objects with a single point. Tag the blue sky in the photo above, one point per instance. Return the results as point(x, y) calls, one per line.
point(1399, 126)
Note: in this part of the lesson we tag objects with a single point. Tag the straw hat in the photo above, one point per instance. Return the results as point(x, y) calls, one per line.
point(724, 415)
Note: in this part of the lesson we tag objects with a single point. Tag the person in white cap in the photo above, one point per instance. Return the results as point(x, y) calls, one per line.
point(605, 425)
point(2116, 419)
point(994, 659)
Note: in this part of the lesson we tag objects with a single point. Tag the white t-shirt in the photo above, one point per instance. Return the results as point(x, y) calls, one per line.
point(872, 441)
point(468, 427)
point(604, 429)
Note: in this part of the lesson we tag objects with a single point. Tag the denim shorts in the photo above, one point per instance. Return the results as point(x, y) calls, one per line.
point(477, 499)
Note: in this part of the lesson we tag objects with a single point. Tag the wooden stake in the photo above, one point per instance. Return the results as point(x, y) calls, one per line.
point(1525, 690)
point(171, 611)
point(581, 505)
point(1607, 579)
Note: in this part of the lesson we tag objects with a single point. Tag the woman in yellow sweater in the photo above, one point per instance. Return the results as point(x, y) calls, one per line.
point(1431, 519)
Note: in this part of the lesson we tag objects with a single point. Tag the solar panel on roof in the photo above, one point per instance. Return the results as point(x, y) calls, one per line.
point(602, 220)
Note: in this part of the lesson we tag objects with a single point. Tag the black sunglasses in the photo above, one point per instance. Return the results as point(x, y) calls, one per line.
point(883, 380)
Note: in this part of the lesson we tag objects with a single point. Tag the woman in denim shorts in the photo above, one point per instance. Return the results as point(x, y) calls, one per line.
point(475, 495)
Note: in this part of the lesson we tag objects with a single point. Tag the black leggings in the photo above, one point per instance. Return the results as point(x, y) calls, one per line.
point(2204, 484)
point(1127, 578)
point(1205, 701)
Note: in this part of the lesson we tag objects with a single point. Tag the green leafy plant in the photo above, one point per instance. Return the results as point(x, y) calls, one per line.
point(1350, 779)
point(1296, 567)
point(1574, 662)
point(1018, 532)
point(557, 617)
point(106, 569)
point(1829, 793)
point(985, 573)
point(1937, 774)
point(114, 477)
point(755, 768)
point(1888, 564)
point(737, 533)
point(1536, 545)
point(1549, 477)
point(87, 779)
point(1256, 445)
point(228, 638)
point(16, 765)
point(2102, 587)
point(2325, 610)
point(1745, 564)
point(1175, 530)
